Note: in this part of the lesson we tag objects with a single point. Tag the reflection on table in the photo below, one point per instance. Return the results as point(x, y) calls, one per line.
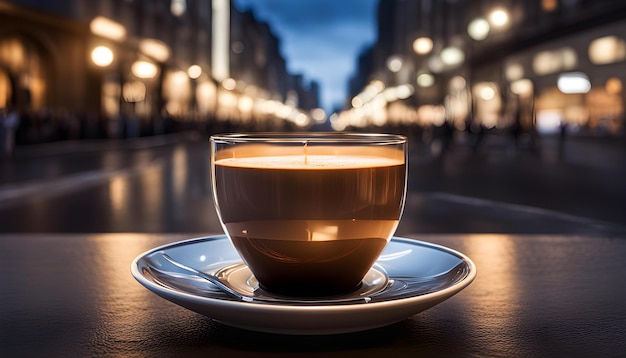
point(73, 295)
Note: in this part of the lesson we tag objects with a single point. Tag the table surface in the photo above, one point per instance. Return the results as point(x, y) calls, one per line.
point(72, 295)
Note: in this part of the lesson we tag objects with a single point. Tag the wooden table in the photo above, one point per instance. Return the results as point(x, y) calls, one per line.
point(72, 295)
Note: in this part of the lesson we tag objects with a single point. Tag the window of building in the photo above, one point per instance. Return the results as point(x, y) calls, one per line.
point(24, 82)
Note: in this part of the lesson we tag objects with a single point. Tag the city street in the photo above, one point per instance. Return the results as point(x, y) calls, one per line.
point(162, 184)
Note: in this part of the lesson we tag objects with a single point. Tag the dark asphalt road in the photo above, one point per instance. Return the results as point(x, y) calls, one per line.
point(162, 184)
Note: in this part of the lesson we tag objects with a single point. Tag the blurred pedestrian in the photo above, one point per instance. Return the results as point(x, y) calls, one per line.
point(480, 131)
point(10, 123)
point(562, 136)
point(517, 129)
point(447, 136)
point(2, 130)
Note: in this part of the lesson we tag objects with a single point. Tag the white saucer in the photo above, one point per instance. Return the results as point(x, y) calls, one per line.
point(410, 276)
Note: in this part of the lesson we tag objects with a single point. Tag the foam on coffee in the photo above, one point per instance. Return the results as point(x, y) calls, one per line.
point(309, 162)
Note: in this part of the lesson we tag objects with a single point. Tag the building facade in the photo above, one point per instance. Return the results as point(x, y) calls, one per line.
point(131, 65)
point(547, 64)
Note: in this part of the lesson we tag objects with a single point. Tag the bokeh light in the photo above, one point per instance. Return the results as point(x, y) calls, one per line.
point(478, 29)
point(102, 56)
point(394, 63)
point(144, 69)
point(194, 71)
point(499, 18)
point(422, 45)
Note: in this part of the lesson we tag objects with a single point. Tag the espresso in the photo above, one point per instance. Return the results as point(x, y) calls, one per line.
point(324, 267)
point(312, 224)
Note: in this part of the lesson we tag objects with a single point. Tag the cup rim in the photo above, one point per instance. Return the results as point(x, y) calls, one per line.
point(315, 137)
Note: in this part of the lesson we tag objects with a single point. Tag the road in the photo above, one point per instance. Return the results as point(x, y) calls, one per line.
point(162, 184)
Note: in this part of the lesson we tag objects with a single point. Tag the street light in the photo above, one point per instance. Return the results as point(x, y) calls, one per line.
point(394, 63)
point(178, 7)
point(422, 45)
point(425, 80)
point(499, 18)
point(452, 56)
point(144, 69)
point(102, 56)
point(194, 71)
point(478, 29)
point(107, 28)
point(573, 83)
point(156, 49)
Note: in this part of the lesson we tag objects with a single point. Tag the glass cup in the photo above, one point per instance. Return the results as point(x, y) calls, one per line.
point(309, 213)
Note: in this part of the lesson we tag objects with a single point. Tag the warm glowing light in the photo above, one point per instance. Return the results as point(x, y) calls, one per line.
point(337, 122)
point(220, 59)
point(549, 121)
point(178, 7)
point(457, 83)
point(614, 86)
point(425, 80)
point(514, 71)
point(404, 91)
point(5, 89)
point(177, 78)
point(452, 56)
point(229, 83)
point(194, 71)
point(487, 93)
point(377, 85)
point(318, 115)
point(107, 28)
point(547, 62)
point(608, 49)
point(118, 192)
point(177, 91)
point(110, 97)
point(549, 5)
point(499, 18)
point(394, 63)
point(205, 97)
point(227, 99)
point(102, 56)
point(522, 87)
point(156, 49)
point(301, 120)
point(422, 45)
point(134, 91)
point(573, 82)
point(144, 69)
point(488, 103)
point(431, 114)
point(245, 104)
point(478, 29)
point(395, 93)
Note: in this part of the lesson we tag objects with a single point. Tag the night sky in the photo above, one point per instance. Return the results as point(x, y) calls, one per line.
point(320, 39)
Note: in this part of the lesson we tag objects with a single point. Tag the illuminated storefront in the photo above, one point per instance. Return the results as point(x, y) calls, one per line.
point(42, 62)
point(547, 65)
point(132, 66)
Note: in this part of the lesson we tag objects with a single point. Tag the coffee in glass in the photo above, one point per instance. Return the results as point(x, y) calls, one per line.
point(309, 213)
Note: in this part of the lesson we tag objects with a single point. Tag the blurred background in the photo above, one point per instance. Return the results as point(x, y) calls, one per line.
point(514, 109)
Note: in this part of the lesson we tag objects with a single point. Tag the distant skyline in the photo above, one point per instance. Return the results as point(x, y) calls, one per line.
point(320, 39)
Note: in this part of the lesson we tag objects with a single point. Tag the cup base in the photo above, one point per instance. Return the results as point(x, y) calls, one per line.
point(239, 278)
point(308, 289)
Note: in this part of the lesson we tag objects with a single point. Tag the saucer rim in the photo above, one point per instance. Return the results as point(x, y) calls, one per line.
point(175, 295)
